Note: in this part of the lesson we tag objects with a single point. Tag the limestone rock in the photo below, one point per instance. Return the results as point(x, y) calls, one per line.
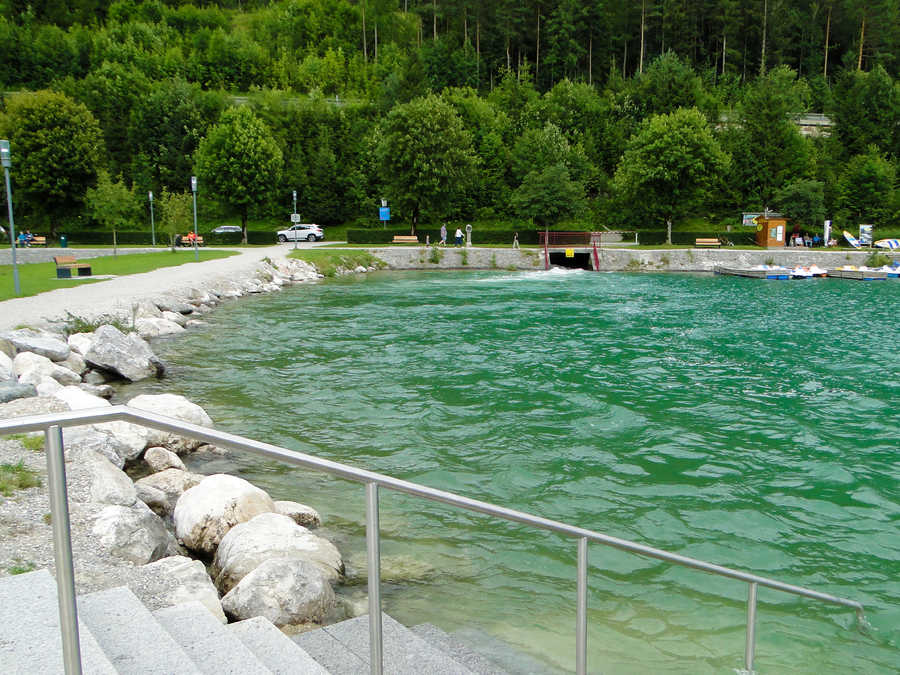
point(131, 438)
point(172, 405)
point(154, 498)
point(7, 347)
point(175, 317)
point(47, 386)
point(6, 366)
point(160, 459)
point(286, 591)
point(94, 377)
point(301, 514)
point(126, 355)
point(133, 533)
point(30, 367)
point(75, 363)
point(92, 439)
point(174, 581)
point(34, 405)
point(205, 513)
point(81, 342)
point(268, 536)
point(169, 304)
point(109, 484)
point(148, 327)
point(172, 483)
point(146, 309)
point(45, 344)
point(101, 390)
point(10, 390)
point(78, 399)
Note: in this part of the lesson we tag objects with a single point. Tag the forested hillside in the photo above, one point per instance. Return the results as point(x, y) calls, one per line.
point(586, 113)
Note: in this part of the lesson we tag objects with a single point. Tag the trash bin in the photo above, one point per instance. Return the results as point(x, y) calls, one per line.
point(63, 241)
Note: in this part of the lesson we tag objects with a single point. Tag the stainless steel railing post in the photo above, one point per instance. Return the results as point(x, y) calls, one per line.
point(373, 559)
point(751, 628)
point(581, 619)
point(62, 549)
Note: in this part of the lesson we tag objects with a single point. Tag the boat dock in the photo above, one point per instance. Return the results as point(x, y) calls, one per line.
point(858, 275)
point(754, 273)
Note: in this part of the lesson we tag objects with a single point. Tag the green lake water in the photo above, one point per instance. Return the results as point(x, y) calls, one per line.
point(748, 423)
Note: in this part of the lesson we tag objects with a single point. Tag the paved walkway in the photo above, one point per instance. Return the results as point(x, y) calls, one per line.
point(116, 296)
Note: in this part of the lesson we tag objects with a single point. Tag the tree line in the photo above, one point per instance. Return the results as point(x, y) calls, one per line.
point(620, 114)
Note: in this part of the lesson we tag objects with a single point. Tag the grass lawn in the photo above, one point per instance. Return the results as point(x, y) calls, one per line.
point(327, 262)
point(37, 278)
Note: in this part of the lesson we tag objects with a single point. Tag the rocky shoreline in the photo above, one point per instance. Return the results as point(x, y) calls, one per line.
point(139, 517)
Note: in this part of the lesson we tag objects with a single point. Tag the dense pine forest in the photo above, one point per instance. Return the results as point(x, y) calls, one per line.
point(575, 114)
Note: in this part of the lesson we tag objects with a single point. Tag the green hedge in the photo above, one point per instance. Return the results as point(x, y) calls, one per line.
point(686, 238)
point(479, 236)
point(142, 238)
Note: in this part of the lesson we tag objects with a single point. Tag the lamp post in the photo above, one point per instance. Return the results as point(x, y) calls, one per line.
point(294, 212)
point(152, 224)
point(6, 160)
point(194, 191)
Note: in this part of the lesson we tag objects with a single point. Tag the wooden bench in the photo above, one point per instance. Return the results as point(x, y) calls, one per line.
point(38, 240)
point(184, 241)
point(714, 241)
point(405, 239)
point(65, 264)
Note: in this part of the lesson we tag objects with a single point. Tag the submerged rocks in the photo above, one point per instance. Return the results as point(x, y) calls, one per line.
point(205, 513)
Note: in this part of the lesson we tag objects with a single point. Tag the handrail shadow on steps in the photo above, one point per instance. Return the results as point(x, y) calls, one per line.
point(53, 423)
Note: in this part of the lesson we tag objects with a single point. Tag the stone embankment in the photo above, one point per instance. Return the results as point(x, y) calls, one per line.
point(613, 259)
point(156, 534)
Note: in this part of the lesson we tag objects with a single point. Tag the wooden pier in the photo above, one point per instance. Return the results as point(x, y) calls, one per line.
point(858, 275)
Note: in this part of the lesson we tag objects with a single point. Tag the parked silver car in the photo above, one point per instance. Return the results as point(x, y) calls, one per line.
point(301, 231)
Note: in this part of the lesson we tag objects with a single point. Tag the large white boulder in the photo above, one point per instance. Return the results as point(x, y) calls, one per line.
point(285, 591)
point(146, 309)
point(30, 368)
point(269, 536)
point(81, 342)
point(175, 317)
point(75, 363)
point(133, 533)
point(46, 344)
point(151, 327)
point(78, 399)
point(160, 459)
point(172, 405)
point(92, 439)
point(301, 514)
point(131, 438)
point(174, 581)
point(109, 484)
point(47, 386)
point(206, 512)
point(126, 355)
point(6, 366)
point(172, 483)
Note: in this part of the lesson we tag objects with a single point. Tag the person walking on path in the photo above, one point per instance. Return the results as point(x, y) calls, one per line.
point(459, 236)
point(516, 240)
point(444, 234)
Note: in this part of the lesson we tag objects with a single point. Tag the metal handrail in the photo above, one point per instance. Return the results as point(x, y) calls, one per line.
point(52, 423)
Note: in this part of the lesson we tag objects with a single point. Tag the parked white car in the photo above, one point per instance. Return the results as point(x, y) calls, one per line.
point(222, 229)
point(301, 232)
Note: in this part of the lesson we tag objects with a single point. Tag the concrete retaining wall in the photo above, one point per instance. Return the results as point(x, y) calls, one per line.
point(616, 259)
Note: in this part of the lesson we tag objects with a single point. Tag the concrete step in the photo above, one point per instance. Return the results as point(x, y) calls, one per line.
point(131, 637)
point(207, 642)
point(273, 648)
point(30, 639)
point(332, 654)
point(457, 650)
point(405, 653)
point(507, 656)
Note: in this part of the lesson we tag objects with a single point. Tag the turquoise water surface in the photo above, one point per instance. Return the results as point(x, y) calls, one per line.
point(751, 424)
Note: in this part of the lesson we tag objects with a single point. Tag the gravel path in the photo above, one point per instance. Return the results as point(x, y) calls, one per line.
point(116, 296)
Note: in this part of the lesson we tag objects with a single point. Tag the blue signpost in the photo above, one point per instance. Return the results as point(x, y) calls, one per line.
point(384, 213)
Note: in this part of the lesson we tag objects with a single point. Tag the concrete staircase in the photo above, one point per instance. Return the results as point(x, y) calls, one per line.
point(120, 635)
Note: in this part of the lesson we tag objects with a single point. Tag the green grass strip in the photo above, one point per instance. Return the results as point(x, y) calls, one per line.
point(328, 262)
point(37, 278)
point(16, 477)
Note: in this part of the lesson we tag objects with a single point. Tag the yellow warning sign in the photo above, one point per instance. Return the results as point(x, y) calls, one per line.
point(570, 252)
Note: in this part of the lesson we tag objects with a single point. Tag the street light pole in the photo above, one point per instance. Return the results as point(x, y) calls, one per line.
point(152, 224)
point(194, 191)
point(6, 160)
point(292, 220)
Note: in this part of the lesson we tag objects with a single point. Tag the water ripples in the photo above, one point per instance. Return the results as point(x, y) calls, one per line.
point(751, 424)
